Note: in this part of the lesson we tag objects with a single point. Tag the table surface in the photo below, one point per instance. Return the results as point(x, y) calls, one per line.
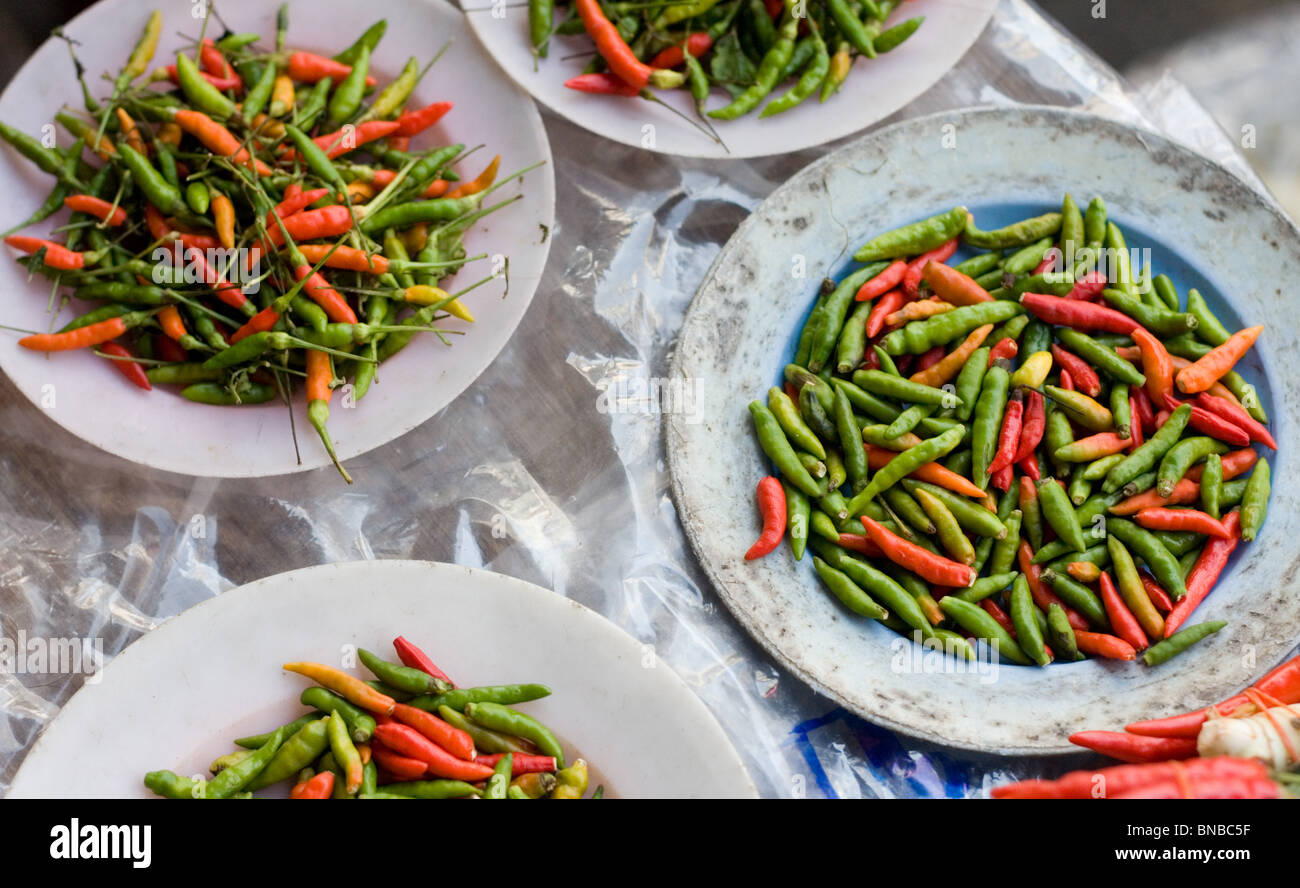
point(549, 468)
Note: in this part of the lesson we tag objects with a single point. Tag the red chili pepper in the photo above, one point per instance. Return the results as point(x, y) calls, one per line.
point(212, 61)
point(915, 268)
point(773, 7)
point(1205, 573)
point(56, 255)
point(771, 505)
point(1088, 287)
point(407, 741)
point(521, 763)
point(1122, 621)
point(168, 350)
point(856, 542)
point(922, 562)
point(1006, 349)
point(1133, 748)
point(1234, 414)
point(1208, 788)
point(1118, 779)
point(412, 656)
point(1002, 478)
point(1043, 596)
point(1048, 261)
point(1157, 365)
point(321, 786)
point(611, 46)
point(1159, 597)
point(886, 305)
point(99, 208)
point(1076, 313)
point(697, 44)
point(400, 766)
point(887, 280)
point(293, 203)
point(1158, 518)
point(452, 739)
point(1140, 405)
point(324, 222)
point(1029, 467)
point(307, 67)
point(130, 369)
point(221, 83)
point(1100, 644)
point(601, 84)
point(1009, 439)
point(1067, 381)
point(871, 360)
point(930, 358)
point(336, 144)
point(221, 288)
point(997, 613)
point(1031, 427)
point(261, 322)
point(1282, 684)
point(412, 123)
point(1085, 378)
point(1207, 423)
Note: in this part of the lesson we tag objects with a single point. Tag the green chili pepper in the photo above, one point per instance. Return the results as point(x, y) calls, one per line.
point(1158, 320)
point(1145, 545)
point(1100, 356)
point(853, 30)
point(853, 339)
point(1080, 408)
point(236, 777)
point(170, 785)
point(976, 621)
point(774, 62)
point(917, 337)
point(848, 592)
point(1209, 329)
point(1121, 414)
point(198, 197)
point(458, 698)
point(813, 76)
point(221, 395)
point(256, 97)
point(1212, 485)
point(1018, 234)
point(1181, 457)
point(433, 789)
point(914, 239)
point(1059, 513)
point(346, 100)
point(302, 748)
point(969, 513)
point(904, 506)
point(814, 416)
point(1168, 294)
point(904, 464)
point(304, 117)
point(1061, 634)
point(881, 383)
point(484, 740)
point(1028, 634)
point(1079, 487)
point(951, 535)
point(987, 423)
point(798, 511)
point(157, 190)
point(345, 752)
point(315, 158)
point(774, 443)
point(360, 723)
point(496, 717)
point(1180, 641)
point(1078, 596)
point(796, 430)
point(1144, 458)
point(404, 678)
point(850, 439)
point(891, 38)
point(1026, 259)
point(199, 93)
point(290, 729)
point(1254, 501)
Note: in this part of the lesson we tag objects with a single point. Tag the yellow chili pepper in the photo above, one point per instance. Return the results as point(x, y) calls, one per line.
point(143, 52)
point(572, 781)
point(919, 310)
point(170, 133)
point(481, 183)
point(223, 215)
point(535, 785)
point(360, 192)
point(1033, 372)
point(415, 237)
point(281, 96)
point(268, 126)
point(422, 294)
point(349, 687)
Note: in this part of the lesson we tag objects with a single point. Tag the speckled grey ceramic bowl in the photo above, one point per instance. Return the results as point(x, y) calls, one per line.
point(1206, 228)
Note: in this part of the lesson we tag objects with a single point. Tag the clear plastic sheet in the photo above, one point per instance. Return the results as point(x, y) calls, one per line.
point(549, 468)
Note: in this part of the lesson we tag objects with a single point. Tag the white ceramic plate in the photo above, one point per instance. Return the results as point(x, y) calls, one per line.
point(874, 89)
point(178, 696)
point(160, 428)
point(1205, 228)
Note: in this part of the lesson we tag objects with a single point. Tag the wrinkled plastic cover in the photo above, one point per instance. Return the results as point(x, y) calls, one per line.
point(549, 468)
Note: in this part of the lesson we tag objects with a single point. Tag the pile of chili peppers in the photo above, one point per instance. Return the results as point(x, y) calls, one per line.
point(1040, 447)
point(409, 733)
point(1170, 758)
point(258, 227)
point(746, 47)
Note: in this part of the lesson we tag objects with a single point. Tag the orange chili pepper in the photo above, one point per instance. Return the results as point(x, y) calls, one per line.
point(83, 337)
point(349, 687)
point(346, 258)
point(319, 375)
point(952, 286)
point(437, 188)
point(481, 183)
point(922, 562)
point(130, 131)
point(1099, 644)
point(169, 133)
point(405, 740)
point(1219, 360)
point(223, 214)
point(93, 206)
point(885, 306)
point(307, 67)
point(1181, 519)
point(951, 364)
point(932, 472)
point(169, 318)
point(452, 739)
point(56, 255)
point(1156, 364)
point(217, 139)
point(919, 310)
point(318, 290)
